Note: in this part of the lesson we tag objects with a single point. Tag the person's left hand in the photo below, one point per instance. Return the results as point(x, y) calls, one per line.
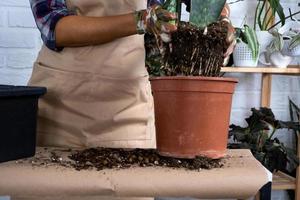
point(157, 21)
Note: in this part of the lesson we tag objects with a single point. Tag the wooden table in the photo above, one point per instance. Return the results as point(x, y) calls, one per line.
point(241, 177)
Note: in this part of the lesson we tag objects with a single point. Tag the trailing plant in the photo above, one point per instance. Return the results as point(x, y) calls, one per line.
point(295, 39)
point(260, 137)
point(196, 49)
point(277, 42)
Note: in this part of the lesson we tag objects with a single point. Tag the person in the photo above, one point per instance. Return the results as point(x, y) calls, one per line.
point(92, 63)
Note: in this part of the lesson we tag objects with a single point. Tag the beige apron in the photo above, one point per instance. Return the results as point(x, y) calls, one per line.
point(97, 95)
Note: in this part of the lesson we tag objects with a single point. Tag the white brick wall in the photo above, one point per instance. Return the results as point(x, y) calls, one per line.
point(20, 42)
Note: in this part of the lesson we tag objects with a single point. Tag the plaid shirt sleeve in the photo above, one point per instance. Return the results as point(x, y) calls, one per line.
point(152, 2)
point(46, 14)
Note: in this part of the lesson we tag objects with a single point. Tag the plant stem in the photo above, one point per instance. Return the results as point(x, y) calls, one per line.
point(296, 13)
point(273, 132)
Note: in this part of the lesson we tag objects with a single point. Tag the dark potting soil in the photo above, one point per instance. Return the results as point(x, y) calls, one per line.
point(198, 52)
point(106, 158)
point(192, 51)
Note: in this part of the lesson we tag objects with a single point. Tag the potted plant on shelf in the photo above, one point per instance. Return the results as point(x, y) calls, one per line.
point(259, 137)
point(246, 51)
point(192, 102)
point(246, 54)
point(273, 55)
point(265, 13)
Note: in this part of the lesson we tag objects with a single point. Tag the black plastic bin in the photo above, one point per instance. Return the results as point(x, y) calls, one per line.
point(18, 120)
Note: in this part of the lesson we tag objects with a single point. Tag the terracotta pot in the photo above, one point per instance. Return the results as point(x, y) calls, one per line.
point(192, 115)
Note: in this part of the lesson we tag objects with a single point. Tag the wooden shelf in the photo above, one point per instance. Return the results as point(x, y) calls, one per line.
point(266, 70)
point(282, 181)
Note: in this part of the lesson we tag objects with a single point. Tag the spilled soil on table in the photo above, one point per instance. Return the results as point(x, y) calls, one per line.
point(106, 158)
point(110, 158)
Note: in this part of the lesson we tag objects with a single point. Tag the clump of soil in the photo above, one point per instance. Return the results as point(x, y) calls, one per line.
point(192, 51)
point(107, 158)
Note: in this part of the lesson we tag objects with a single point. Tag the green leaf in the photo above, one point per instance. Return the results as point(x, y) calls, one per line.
point(289, 125)
point(205, 12)
point(170, 5)
point(293, 158)
point(264, 20)
point(270, 152)
point(277, 8)
point(252, 41)
point(277, 42)
point(238, 133)
point(294, 42)
point(258, 12)
point(255, 122)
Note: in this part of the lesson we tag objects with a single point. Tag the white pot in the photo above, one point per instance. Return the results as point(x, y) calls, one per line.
point(264, 39)
point(242, 56)
point(276, 59)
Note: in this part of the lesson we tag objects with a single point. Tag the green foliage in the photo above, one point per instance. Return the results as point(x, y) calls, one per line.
point(171, 6)
point(154, 61)
point(295, 41)
point(277, 42)
point(205, 12)
point(295, 116)
point(258, 136)
point(265, 11)
point(248, 36)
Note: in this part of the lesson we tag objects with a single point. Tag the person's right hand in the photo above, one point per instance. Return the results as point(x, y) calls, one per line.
point(157, 21)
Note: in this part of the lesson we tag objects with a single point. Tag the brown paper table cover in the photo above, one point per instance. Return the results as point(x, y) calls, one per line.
point(241, 177)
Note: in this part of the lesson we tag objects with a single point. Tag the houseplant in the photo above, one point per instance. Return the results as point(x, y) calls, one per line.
point(265, 13)
point(247, 49)
point(291, 31)
point(260, 137)
point(273, 55)
point(192, 103)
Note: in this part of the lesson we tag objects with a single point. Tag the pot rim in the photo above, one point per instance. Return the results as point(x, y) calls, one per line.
point(196, 78)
